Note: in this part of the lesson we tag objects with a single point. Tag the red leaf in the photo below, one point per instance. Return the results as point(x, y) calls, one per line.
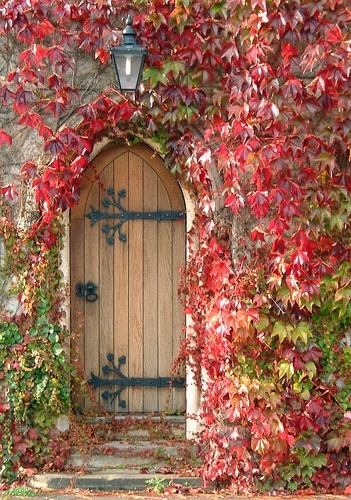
point(235, 202)
point(33, 56)
point(44, 28)
point(5, 138)
point(241, 153)
point(325, 244)
point(80, 143)
point(56, 54)
point(87, 111)
point(55, 81)
point(23, 100)
point(288, 51)
point(257, 234)
point(79, 164)
point(279, 245)
point(277, 226)
point(334, 35)
point(230, 50)
point(294, 88)
point(9, 192)
point(219, 275)
point(307, 176)
point(57, 106)
point(6, 94)
point(313, 354)
point(311, 105)
point(310, 287)
point(102, 54)
point(322, 268)
point(290, 209)
point(27, 33)
point(54, 146)
point(30, 119)
point(259, 203)
point(32, 434)
point(29, 170)
point(44, 131)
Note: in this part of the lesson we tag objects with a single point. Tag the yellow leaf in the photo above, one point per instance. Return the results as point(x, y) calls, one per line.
point(286, 369)
point(282, 330)
point(302, 331)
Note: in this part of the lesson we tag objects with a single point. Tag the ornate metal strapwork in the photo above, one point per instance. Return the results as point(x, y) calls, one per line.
point(124, 215)
point(123, 382)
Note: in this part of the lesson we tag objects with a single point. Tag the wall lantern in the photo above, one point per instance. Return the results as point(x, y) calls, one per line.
point(128, 58)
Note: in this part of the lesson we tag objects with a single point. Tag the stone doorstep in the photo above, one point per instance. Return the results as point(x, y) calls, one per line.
point(137, 454)
point(177, 429)
point(121, 470)
point(123, 480)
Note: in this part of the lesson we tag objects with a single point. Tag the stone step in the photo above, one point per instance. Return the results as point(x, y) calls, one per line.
point(126, 453)
point(111, 480)
point(137, 454)
point(142, 426)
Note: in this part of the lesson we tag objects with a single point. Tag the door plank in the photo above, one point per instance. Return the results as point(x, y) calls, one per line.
point(92, 317)
point(105, 283)
point(178, 394)
point(136, 264)
point(150, 290)
point(164, 296)
point(121, 279)
point(77, 305)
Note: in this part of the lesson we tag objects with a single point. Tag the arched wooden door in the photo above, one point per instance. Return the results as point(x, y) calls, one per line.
point(119, 245)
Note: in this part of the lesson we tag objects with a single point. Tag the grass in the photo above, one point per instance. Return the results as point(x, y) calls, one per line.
point(20, 491)
point(158, 484)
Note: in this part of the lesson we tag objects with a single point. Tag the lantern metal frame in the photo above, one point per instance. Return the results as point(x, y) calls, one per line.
point(128, 59)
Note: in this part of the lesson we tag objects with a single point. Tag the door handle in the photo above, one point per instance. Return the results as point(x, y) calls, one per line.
point(87, 291)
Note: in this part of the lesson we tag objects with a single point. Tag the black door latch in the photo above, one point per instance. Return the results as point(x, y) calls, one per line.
point(88, 291)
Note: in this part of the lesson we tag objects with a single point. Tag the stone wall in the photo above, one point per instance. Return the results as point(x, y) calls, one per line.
point(89, 78)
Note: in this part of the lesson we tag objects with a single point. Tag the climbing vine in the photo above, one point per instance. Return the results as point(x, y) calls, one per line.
point(250, 102)
point(35, 377)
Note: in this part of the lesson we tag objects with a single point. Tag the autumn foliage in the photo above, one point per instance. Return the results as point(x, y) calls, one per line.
point(251, 103)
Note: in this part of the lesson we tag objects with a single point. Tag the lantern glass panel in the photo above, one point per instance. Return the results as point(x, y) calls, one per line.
point(128, 68)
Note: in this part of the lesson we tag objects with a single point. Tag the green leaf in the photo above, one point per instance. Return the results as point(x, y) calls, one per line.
point(302, 331)
point(305, 394)
point(263, 322)
point(338, 221)
point(320, 460)
point(282, 330)
point(186, 112)
point(53, 337)
point(219, 8)
point(311, 369)
point(185, 3)
point(292, 486)
point(343, 294)
point(157, 19)
point(177, 67)
point(334, 442)
point(57, 349)
point(155, 76)
point(283, 294)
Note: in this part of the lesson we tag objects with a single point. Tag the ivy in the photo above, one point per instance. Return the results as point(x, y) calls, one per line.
point(35, 375)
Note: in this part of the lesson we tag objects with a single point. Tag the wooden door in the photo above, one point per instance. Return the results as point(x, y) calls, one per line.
point(134, 314)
